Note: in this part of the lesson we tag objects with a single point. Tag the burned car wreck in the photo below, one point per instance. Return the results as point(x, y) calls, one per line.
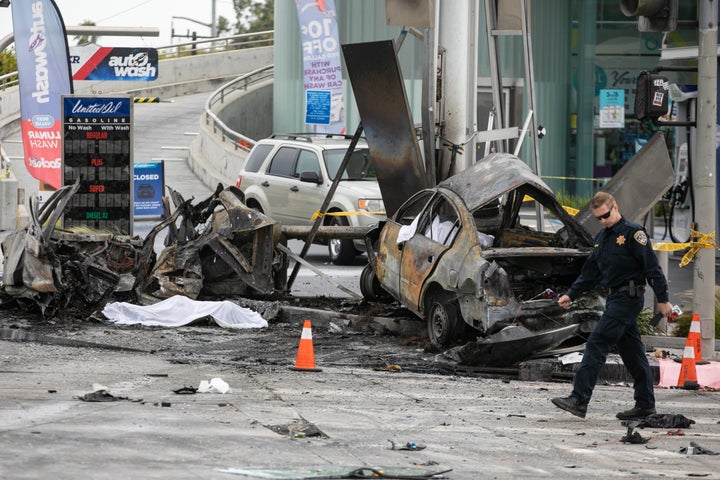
point(462, 256)
point(216, 247)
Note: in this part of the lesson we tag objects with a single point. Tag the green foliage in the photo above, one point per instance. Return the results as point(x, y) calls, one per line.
point(644, 323)
point(573, 201)
point(682, 327)
point(254, 15)
point(85, 39)
point(8, 61)
point(223, 25)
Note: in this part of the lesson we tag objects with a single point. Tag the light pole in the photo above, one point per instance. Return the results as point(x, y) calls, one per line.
point(704, 174)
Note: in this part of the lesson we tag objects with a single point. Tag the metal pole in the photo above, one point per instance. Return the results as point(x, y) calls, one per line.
point(213, 20)
point(704, 181)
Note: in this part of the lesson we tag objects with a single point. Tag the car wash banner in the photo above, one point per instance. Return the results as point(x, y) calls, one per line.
point(44, 76)
point(322, 70)
point(91, 62)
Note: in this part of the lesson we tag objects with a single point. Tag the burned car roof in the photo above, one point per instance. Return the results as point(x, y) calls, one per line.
point(491, 177)
point(500, 173)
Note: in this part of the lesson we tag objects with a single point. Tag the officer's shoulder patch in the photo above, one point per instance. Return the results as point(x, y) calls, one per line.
point(641, 237)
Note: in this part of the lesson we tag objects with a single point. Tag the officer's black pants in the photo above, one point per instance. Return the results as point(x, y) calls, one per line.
point(617, 326)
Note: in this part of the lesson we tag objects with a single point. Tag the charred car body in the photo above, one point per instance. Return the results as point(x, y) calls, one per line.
point(218, 246)
point(460, 256)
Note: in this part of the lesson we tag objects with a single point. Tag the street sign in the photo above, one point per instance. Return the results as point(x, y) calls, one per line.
point(149, 182)
point(318, 106)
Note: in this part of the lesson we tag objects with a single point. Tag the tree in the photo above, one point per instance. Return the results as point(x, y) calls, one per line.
point(254, 15)
point(85, 39)
point(8, 62)
point(222, 25)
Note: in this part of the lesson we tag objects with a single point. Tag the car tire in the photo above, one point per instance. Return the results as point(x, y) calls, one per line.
point(254, 205)
point(443, 321)
point(370, 286)
point(342, 252)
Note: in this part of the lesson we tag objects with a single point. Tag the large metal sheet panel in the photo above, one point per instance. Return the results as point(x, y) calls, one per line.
point(380, 96)
point(638, 185)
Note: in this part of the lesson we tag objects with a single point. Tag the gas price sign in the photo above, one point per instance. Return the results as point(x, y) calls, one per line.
point(97, 148)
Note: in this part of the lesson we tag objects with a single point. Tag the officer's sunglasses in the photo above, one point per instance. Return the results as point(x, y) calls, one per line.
point(605, 215)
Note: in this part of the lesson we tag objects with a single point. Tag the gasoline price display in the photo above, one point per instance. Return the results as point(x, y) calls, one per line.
point(97, 148)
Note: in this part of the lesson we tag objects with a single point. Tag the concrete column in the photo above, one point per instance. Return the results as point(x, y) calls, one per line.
point(458, 35)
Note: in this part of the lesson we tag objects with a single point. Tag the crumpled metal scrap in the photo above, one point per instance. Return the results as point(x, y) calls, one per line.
point(218, 246)
point(61, 270)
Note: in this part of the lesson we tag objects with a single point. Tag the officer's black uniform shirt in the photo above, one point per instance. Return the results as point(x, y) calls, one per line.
point(621, 253)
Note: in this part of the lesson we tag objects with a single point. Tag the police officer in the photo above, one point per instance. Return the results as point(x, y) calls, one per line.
point(622, 260)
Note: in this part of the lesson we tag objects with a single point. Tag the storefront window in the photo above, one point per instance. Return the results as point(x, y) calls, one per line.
point(621, 52)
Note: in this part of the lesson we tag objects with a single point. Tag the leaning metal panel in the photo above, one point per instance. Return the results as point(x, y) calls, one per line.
point(380, 95)
point(638, 185)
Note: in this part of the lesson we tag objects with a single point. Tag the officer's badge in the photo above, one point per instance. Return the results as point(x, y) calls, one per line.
point(620, 240)
point(640, 237)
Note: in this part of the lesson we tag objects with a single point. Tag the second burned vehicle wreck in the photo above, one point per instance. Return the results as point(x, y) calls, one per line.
point(218, 246)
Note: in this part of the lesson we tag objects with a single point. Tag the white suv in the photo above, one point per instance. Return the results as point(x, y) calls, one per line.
point(287, 177)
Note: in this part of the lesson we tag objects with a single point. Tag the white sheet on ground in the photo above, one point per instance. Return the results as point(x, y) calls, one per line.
point(178, 310)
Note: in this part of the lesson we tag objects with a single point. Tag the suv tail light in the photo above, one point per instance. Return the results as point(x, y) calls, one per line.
point(238, 181)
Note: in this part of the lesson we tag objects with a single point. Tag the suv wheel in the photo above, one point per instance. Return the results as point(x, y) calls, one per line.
point(342, 252)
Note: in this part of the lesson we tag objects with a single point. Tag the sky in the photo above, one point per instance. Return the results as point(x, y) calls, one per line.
point(136, 13)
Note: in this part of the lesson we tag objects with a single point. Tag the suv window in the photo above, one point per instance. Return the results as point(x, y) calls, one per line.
point(283, 163)
point(257, 157)
point(307, 162)
point(360, 167)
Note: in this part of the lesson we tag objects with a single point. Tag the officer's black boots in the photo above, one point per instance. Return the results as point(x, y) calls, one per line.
point(571, 404)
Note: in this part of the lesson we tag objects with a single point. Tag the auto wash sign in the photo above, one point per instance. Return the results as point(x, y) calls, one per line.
point(91, 62)
point(322, 70)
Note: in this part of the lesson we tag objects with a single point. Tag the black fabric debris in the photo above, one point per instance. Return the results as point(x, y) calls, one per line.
point(101, 396)
point(666, 420)
point(633, 436)
point(185, 391)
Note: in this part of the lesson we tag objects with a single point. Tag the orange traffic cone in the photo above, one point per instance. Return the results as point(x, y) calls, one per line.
point(694, 335)
point(688, 373)
point(305, 360)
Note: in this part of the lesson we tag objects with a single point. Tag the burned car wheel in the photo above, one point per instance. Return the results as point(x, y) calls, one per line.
point(370, 286)
point(443, 322)
point(342, 252)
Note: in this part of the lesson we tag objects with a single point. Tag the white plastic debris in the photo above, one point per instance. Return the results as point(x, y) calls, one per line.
point(215, 385)
point(574, 357)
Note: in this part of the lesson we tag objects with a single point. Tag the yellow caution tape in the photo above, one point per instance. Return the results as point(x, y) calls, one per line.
point(593, 179)
point(698, 240)
point(570, 210)
point(342, 214)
